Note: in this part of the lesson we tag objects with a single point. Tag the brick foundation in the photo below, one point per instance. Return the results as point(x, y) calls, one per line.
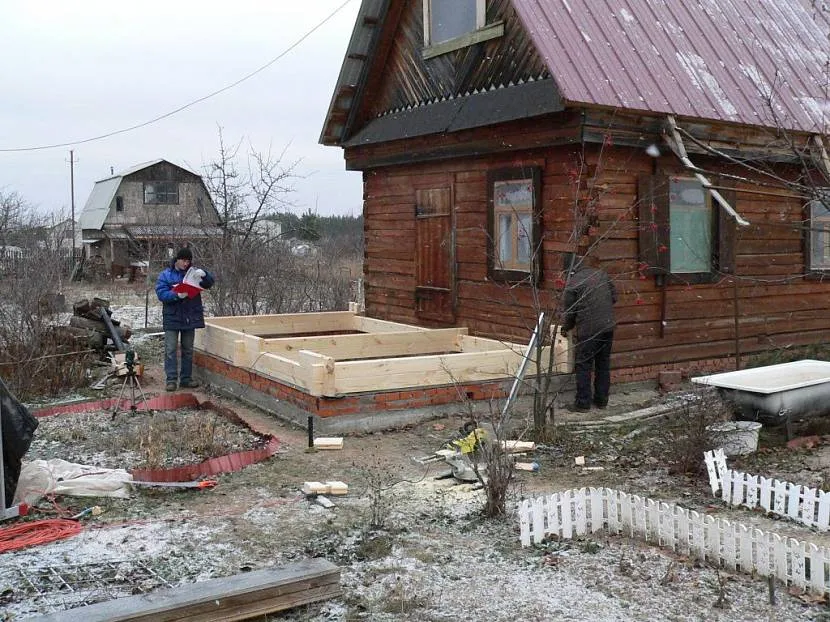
point(363, 403)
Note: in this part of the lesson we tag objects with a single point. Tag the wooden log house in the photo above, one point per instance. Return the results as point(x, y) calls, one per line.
point(680, 145)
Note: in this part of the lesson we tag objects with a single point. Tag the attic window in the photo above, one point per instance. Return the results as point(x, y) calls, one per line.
point(453, 24)
point(161, 193)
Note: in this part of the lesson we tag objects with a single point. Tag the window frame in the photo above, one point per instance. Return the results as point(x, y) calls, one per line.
point(809, 239)
point(654, 231)
point(481, 32)
point(166, 194)
point(512, 271)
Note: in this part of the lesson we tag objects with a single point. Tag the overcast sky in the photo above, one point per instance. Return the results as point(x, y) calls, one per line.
point(71, 70)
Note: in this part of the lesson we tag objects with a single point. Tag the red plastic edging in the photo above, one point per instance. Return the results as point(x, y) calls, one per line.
point(210, 467)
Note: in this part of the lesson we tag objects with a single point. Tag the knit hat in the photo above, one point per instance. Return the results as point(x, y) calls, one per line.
point(185, 253)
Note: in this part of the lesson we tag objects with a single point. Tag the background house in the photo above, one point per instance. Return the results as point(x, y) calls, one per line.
point(680, 146)
point(143, 213)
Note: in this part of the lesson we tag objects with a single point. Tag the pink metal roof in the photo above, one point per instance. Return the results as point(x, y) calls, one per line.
point(710, 59)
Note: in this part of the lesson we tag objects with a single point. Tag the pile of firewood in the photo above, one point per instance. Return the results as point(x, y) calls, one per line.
point(88, 320)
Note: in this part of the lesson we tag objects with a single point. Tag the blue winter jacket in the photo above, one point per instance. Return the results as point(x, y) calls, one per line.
point(180, 313)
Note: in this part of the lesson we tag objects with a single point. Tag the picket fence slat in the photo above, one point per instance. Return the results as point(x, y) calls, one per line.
point(719, 541)
point(808, 506)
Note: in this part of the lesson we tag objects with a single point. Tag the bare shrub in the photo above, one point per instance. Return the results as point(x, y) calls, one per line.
point(685, 434)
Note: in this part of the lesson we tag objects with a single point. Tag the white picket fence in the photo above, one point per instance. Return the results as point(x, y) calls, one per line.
point(716, 540)
point(808, 506)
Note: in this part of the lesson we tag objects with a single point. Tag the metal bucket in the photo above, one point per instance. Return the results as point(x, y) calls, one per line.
point(738, 438)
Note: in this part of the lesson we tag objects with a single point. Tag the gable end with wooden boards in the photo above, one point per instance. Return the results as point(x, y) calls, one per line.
point(697, 186)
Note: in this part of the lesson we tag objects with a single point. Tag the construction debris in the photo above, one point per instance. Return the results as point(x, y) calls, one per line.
point(527, 466)
point(517, 447)
point(327, 488)
point(333, 442)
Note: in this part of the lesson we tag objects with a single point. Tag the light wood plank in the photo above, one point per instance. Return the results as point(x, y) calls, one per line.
point(418, 371)
point(286, 323)
point(377, 345)
point(372, 325)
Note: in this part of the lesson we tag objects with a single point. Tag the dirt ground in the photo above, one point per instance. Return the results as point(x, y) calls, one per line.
point(413, 547)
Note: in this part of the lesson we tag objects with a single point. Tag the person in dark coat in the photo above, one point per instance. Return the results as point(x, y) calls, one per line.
point(589, 299)
point(181, 315)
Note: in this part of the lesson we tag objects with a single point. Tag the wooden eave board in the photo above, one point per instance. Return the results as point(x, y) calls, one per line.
point(287, 323)
point(371, 345)
point(419, 371)
point(239, 597)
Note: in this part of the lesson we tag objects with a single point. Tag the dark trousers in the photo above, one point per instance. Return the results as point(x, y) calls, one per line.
point(171, 364)
point(593, 356)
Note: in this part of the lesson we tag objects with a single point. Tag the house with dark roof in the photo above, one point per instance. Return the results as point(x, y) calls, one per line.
point(141, 214)
point(679, 146)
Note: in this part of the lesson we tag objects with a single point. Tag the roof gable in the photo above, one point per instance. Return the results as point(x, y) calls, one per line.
point(751, 62)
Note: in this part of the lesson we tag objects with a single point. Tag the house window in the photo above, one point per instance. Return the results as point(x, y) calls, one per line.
point(161, 192)
point(447, 19)
point(690, 227)
point(681, 232)
point(119, 204)
point(819, 234)
point(513, 230)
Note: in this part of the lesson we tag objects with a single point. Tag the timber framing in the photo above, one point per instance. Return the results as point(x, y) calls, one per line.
point(340, 353)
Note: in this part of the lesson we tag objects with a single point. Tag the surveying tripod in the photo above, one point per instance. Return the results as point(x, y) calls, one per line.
point(131, 380)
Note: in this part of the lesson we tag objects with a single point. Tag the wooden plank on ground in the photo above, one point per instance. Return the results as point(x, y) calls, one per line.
point(371, 345)
point(238, 597)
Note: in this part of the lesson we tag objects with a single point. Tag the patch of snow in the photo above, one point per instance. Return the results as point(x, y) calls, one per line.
point(696, 69)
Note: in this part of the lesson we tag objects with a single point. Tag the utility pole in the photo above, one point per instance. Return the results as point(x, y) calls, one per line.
point(72, 191)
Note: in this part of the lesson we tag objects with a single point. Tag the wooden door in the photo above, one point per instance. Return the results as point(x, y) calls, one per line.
point(435, 255)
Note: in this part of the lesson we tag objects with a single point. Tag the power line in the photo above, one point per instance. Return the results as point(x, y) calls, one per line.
point(189, 104)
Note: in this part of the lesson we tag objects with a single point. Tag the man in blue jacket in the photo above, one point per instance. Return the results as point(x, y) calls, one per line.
point(182, 315)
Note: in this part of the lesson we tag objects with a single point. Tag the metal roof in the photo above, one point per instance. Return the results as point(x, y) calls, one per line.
point(721, 60)
point(98, 204)
point(710, 59)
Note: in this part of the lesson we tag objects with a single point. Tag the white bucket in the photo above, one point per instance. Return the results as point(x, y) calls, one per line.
point(738, 438)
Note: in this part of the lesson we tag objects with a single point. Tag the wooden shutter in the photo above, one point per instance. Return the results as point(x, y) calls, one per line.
point(653, 227)
point(727, 234)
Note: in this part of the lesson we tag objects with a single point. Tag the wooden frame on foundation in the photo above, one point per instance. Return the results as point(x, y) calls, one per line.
point(332, 354)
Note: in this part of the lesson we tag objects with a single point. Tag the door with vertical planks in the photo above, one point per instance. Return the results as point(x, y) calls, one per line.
point(435, 255)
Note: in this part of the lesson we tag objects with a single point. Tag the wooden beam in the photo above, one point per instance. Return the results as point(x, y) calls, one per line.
point(320, 372)
point(420, 371)
point(239, 597)
point(285, 323)
point(372, 325)
point(373, 345)
point(282, 369)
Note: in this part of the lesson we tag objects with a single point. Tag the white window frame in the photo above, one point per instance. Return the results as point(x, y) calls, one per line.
point(481, 18)
point(817, 223)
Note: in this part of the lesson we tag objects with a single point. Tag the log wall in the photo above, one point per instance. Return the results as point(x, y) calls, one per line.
point(691, 327)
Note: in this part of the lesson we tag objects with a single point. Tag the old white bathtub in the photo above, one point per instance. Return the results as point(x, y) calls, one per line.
point(776, 393)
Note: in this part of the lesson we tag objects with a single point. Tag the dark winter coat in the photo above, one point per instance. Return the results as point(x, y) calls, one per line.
point(589, 303)
point(180, 313)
